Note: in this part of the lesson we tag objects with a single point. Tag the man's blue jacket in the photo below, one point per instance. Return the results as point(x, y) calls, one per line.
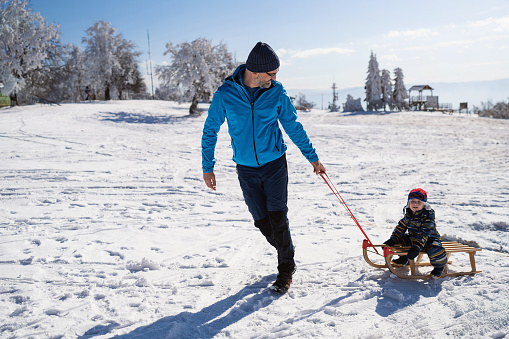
point(253, 127)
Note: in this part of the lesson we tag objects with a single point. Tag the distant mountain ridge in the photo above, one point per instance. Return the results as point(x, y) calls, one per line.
point(473, 92)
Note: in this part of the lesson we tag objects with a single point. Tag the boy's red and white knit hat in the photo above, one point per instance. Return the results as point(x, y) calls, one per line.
point(418, 193)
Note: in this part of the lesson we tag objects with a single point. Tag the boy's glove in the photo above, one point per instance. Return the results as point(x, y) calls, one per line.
point(412, 253)
point(390, 242)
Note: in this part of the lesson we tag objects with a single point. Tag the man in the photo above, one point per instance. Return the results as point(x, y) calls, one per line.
point(253, 102)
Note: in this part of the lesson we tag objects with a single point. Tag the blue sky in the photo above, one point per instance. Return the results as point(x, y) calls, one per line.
point(318, 41)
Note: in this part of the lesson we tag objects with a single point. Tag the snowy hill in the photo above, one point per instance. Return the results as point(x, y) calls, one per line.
point(107, 230)
point(474, 93)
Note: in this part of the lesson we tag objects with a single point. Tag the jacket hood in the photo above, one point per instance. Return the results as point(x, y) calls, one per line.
point(427, 206)
point(427, 210)
point(236, 77)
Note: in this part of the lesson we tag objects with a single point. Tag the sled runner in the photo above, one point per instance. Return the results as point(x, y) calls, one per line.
point(390, 251)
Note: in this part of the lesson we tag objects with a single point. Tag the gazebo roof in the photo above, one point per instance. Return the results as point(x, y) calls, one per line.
point(420, 88)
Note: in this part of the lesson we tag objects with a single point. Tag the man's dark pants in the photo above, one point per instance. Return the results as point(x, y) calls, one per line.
point(265, 192)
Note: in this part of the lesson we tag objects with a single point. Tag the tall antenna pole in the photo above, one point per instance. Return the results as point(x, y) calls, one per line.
point(334, 107)
point(150, 60)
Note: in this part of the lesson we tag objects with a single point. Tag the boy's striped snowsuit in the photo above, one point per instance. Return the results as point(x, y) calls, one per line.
point(419, 231)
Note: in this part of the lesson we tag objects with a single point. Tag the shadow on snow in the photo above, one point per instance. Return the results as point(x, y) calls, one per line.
point(397, 294)
point(348, 114)
point(140, 118)
point(205, 323)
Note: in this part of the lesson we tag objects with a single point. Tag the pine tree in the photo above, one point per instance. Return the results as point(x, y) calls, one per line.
point(25, 41)
point(373, 85)
point(386, 89)
point(400, 92)
point(197, 69)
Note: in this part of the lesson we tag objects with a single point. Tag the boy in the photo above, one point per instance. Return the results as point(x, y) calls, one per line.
point(419, 221)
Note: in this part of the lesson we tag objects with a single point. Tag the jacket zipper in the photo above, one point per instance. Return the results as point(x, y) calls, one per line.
point(275, 141)
point(253, 122)
point(254, 143)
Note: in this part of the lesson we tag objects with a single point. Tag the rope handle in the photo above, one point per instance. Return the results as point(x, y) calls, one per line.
point(334, 190)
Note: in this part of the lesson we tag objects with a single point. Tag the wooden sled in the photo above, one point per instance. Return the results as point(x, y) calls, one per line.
point(450, 247)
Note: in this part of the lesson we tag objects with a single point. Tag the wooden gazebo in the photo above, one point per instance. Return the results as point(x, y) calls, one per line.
point(419, 101)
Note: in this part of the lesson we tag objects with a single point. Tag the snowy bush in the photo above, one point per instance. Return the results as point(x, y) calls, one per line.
point(302, 104)
point(352, 105)
point(145, 264)
point(499, 110)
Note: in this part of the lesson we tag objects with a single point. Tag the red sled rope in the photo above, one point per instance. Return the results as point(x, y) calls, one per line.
point(334, 190)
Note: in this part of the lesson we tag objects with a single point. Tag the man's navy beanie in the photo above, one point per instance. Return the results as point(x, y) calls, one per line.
point(262, 59)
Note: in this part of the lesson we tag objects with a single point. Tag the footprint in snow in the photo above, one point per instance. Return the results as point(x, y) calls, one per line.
point(27, 261)
point(55, 312)
point(18, 312)
point(115, 254)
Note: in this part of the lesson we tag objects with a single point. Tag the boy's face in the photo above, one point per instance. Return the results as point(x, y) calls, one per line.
point(416, 205)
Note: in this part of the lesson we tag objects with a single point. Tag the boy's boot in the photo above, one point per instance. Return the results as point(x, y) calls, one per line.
point(401, 261)
point(437, 272)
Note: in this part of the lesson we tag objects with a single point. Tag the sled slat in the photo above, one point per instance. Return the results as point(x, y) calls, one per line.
point(449, 246)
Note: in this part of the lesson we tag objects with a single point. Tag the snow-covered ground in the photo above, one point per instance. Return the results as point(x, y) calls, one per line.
point(106, 228)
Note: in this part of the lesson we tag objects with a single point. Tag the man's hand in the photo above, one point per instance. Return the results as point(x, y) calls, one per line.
point(318, 168)
point(210, 180)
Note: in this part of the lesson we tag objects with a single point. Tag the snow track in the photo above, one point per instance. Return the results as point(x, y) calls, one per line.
point(107, 229)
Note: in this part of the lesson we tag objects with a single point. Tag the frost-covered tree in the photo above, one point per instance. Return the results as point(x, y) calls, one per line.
point(373, 85)
point(302, 104)
point(400, 93)
point(101, 44)
point(196, 70)
point(67, 81)
point(352, 105)
point(44, 81)
point(25, 41)
point(74, 74)
point(111, 60)
point(127, 77)
point(136, 85)
point(386, 89)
